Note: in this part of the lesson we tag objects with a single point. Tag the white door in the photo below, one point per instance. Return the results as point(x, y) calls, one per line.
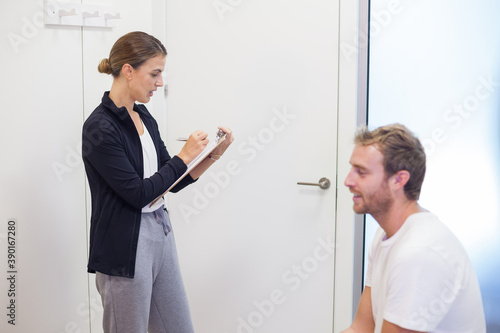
point(256, 249)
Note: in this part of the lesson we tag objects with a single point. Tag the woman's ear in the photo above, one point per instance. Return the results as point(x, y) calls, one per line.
point(127, 71)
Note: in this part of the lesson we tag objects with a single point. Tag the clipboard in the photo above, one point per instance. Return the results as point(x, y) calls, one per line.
point(221, 136)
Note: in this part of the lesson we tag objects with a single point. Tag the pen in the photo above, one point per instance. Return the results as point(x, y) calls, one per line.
point(220, 134)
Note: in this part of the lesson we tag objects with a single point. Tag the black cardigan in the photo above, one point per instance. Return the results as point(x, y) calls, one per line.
point(112, 155)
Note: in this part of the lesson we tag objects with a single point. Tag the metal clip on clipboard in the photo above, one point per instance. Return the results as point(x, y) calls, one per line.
point(220, 135)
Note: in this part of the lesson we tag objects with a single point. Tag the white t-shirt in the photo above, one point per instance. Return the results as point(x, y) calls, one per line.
point(421, 279)
point(150, 165)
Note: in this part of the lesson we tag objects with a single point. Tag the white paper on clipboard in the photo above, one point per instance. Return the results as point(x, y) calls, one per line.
point(221, 136)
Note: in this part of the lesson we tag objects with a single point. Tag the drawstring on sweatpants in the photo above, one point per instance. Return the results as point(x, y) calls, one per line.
point(161, 218)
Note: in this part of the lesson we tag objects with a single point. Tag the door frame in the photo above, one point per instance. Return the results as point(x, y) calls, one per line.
point(352, 112)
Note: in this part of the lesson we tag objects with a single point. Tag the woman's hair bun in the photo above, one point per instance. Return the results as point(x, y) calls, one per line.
point(104, 66)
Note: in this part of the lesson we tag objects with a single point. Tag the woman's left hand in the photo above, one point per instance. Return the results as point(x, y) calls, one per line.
point(219, 151)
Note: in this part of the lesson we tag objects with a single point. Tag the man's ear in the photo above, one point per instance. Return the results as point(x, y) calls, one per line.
point(127, 70)
point(400, 179)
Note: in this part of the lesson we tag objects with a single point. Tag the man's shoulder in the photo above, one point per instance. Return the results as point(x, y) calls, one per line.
point(426, 239)
point(425, 228)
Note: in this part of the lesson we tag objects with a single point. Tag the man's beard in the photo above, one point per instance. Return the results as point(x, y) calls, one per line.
point(378, 203)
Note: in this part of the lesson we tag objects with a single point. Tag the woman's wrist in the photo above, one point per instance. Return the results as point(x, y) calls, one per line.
point(214, 157)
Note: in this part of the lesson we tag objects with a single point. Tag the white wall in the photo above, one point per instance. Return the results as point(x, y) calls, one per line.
point(50, 85)
point(434, 66)
point(42, 184)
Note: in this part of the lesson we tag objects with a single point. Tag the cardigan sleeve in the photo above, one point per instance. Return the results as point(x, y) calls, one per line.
point(106, 153)
point(164, 159)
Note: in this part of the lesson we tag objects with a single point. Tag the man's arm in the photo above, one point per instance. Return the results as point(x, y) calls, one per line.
point(388, 327)
point(363, 322)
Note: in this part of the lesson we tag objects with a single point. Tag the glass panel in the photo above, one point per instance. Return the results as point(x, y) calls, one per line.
point(435, 67)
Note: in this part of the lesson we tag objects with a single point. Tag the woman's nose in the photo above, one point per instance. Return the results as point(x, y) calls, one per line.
point(159, 82)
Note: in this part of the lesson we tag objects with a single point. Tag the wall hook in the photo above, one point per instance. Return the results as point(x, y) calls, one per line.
point(110, 16)
point(63, 12)
point(87, 14)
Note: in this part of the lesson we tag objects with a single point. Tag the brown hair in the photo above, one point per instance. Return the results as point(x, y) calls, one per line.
point(134, 49)
point(402, 150)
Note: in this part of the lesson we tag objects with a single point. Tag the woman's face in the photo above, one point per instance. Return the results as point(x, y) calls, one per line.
point(146, 78)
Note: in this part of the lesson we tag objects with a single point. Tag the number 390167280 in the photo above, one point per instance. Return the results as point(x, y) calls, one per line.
point(11, 247)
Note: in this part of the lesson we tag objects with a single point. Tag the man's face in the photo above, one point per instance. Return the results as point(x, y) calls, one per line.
point(368, 182)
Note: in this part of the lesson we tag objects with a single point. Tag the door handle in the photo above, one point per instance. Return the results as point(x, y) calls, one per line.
point(323, 183)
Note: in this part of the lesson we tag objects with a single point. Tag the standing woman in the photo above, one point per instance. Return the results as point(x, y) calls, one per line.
point(132, 247)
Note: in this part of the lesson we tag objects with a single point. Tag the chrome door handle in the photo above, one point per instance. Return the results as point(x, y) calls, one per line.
point(323, 183)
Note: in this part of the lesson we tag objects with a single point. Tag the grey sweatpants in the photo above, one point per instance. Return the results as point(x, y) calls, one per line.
point(154, 300)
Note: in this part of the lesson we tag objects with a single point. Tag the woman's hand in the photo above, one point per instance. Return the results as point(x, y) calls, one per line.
point(219, 151)
point(194, 145)
point(214, 155)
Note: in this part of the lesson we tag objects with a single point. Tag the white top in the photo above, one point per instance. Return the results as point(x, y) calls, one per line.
point(421, 279)
point(150, 165)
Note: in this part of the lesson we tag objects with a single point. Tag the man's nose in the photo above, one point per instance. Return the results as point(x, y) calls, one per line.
point(348, 180)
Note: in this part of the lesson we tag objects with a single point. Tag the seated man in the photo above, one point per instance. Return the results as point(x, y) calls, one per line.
point(419, 276)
